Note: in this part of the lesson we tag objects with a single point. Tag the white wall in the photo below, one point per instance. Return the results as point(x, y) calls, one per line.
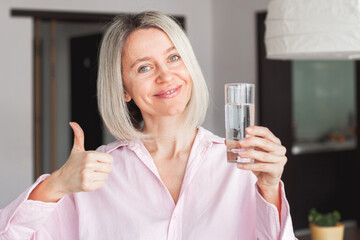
point(234, 49)
point(16, 115)
point(222, 34)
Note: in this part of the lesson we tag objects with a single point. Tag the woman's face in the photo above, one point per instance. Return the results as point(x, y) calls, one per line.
point(154, 75)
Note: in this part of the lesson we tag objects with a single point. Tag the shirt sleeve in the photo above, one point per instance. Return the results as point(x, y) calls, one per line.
point(22, 218)
point(267, 218)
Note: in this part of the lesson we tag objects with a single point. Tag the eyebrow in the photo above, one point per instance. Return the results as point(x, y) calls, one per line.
point(148, 58)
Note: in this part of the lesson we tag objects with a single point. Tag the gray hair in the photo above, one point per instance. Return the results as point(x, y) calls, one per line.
point(122, 119)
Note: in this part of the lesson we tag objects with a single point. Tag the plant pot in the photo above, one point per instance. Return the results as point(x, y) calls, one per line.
point(327, 233)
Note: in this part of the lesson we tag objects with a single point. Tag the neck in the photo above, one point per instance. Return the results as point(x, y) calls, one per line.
point(168, 137)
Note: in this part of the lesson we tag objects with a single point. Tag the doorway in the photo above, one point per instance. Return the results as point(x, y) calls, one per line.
point(84, 69)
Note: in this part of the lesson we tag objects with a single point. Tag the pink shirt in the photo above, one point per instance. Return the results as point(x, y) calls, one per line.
point(217, 201)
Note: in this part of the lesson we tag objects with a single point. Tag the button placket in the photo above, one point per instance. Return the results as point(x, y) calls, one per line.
point(175, 228)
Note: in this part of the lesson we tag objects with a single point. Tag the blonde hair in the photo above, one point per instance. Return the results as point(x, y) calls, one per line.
point(123, 119)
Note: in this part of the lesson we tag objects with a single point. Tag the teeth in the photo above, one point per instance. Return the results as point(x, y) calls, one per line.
point(170, 91)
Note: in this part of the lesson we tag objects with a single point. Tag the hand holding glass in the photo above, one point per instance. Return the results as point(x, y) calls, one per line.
point(239, 114)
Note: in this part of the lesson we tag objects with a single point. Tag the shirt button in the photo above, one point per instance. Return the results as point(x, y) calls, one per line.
point(174, 217)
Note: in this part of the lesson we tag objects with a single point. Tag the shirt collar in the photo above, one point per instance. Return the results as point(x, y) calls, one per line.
point(207, 136)
point(204, 136)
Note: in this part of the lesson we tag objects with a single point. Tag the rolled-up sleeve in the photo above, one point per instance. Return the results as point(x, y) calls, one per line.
point(267, 218)
point(23, 217)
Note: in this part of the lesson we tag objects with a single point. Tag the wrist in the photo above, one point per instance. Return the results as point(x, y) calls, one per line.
point(271, 194)
point(269, 190)
point(56, 186)
point(48, 190)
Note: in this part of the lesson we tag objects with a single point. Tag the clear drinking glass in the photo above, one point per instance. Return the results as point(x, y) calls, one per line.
point(239, 114)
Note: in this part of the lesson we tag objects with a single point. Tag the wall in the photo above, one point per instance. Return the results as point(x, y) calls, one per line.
point(16, 121)
point(234, 49)
point(222, 34)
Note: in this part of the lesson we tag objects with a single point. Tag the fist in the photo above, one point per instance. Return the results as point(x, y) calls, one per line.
point(84, 170)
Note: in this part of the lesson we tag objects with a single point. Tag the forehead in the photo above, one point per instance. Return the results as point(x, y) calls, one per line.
point(142, 42)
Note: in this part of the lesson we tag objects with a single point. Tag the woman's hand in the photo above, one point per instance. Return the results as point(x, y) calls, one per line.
point(83, 171)
point(270, 159)
point(268, 153)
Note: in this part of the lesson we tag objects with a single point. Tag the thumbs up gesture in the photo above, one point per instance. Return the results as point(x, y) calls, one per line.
point(83, 171)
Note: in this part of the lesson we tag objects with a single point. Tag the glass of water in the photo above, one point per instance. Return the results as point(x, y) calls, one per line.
point(239, 114)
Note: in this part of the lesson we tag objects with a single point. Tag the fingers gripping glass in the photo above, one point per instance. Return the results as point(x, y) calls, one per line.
point(239, 114)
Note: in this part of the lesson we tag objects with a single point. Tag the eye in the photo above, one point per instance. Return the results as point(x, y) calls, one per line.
point(174, 58)
point(144, 69)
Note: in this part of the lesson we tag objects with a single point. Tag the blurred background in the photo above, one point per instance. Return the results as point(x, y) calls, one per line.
point(48, 66)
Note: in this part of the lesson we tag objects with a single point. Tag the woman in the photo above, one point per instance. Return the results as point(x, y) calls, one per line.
point(165, 177)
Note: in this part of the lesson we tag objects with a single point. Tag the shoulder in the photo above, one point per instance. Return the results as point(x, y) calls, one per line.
point(108, 148)
point(206, 135)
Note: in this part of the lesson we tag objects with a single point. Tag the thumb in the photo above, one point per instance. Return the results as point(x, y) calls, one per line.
point(78, 137)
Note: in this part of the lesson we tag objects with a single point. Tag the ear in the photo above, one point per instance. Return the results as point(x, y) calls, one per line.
point(127, 97)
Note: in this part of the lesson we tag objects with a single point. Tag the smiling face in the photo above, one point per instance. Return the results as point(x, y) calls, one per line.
point(154, 75)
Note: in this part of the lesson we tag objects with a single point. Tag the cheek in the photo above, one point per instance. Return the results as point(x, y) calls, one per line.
point(140, 91)
point(185, 74)
point(132, 85)
point(187, 78)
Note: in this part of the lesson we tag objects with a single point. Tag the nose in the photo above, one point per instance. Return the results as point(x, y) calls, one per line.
point(164, 74)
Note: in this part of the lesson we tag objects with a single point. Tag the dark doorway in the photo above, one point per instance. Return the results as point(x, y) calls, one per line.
point(84, 68)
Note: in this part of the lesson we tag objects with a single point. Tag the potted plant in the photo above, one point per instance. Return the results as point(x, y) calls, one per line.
point(325, 226)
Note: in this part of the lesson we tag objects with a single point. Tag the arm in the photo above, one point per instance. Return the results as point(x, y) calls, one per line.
point(269, 155)
point(27, 219)
point(83, 171)
point(268, 223)
point(273, 196)
point(47, 190)
point(22, 217)
point(270, 159)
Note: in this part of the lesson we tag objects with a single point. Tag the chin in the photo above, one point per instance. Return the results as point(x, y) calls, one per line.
point(174, 111)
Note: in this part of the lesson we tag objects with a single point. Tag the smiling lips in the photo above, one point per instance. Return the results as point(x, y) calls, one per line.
point(169, 92)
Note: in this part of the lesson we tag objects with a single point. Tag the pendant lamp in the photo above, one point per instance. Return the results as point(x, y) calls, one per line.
point(313, 29)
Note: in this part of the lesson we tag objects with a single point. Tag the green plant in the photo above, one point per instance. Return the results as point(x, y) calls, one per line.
point(324, 219)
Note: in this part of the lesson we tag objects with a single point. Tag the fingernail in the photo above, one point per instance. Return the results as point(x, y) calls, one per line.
point(242, 153)
point(249, 129)
point(242, 141)
point(240, 165)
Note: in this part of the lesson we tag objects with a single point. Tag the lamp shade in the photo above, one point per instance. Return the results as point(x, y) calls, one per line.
point(313, 29)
